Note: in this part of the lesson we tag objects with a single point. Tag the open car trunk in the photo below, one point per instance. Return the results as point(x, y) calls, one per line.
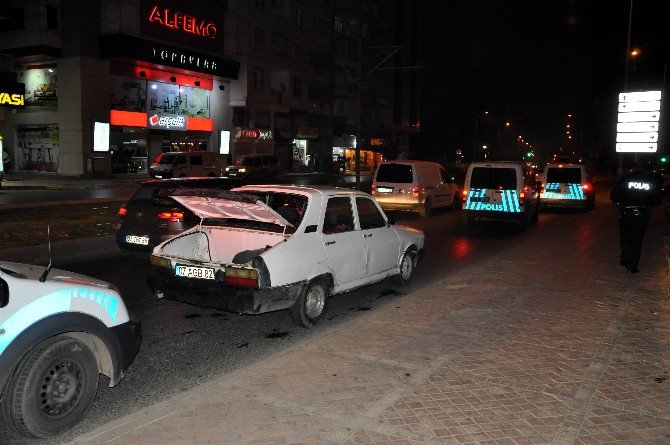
point(223, 241)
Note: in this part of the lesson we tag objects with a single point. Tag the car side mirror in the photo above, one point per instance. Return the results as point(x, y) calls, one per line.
point(390, 221)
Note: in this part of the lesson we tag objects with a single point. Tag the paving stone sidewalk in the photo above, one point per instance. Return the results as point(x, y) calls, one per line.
point(549, 341)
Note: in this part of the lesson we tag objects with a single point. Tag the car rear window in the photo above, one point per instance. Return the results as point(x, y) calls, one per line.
point(167, 159)
point(564, 175)
point(399, 173)
point(493, 178)
point(149, 193)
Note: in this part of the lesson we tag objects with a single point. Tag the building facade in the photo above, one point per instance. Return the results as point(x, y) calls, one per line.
point(110, 84)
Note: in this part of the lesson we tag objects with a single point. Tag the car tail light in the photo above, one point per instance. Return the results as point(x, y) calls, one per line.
point(171, 216)
point(586, 187)
point(123, 211)
point(464, 194)
point(373, 191)
point(415, 190)
point(236, 276)
point(522, 198)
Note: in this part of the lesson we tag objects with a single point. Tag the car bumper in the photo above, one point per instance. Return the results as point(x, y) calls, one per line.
point(494, 215)
point(128, 336)
point(219, 296)
point(154, 240)
point(401, 206)
point(565, 202)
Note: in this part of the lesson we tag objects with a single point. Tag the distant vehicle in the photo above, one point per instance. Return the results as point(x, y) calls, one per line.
point(265, 167)
point(182, 164)
point(501, 191)
point(567, 185)
point(148, 219)
point(416, 186)
point(267, 248)
point(58, 332)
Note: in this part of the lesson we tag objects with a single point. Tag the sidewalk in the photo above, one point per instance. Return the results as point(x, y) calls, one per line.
point(546, 342)
point(49, 181)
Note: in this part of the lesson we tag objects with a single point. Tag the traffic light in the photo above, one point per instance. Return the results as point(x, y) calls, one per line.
point(664, 159)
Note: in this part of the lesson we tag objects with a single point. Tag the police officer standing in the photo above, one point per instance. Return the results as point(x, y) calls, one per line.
point(635, 193)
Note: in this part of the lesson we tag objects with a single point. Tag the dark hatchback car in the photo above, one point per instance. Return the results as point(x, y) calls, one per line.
point(149, 217)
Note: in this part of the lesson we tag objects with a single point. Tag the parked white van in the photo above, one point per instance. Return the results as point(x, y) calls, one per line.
point(182, 164)
point(503, 191)
point(416, 186)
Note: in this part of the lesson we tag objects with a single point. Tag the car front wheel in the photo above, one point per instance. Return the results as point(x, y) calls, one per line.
point(311, 305)
point(406, 270)
point(51, 389)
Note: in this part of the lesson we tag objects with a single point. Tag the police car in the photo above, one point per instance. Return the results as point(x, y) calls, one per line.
point(567, 185)
point(501, 191)
point(58, 332)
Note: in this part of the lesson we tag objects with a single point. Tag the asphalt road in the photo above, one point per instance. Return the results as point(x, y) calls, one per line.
point(184, 345)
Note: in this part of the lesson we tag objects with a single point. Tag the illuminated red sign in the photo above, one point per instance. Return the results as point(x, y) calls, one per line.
point(253, 133)
point(181, 21)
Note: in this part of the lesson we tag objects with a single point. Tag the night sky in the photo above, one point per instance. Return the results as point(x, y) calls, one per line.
point(532, 63)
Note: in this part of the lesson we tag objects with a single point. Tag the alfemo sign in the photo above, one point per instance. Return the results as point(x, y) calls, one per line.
point(12, 95)
point(182, 22)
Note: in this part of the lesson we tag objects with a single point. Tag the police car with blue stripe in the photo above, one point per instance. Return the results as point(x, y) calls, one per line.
point(501, 191)
point(567, 185)
point(58, 332)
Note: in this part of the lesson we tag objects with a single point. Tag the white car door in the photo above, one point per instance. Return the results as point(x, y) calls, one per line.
point(345, 249)
point(381, 241)
point(449, 187)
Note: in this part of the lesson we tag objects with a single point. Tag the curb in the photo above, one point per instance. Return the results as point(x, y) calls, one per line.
point(64, 251)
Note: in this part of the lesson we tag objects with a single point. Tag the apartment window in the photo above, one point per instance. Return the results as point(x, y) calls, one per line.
point(339, 78)
point(259, 38)
point(279, 44)
point(340, 107)
point(11, 19)
point(297, 16)
point(364, 31)
point(297, 87)
point(52, 17)
point(339, 25)
point(257, 78)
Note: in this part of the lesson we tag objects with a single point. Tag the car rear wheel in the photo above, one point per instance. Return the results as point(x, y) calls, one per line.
point(455, 203)
point(424, 212)
point(51, 389)
point(406, 269)
point(311, 305)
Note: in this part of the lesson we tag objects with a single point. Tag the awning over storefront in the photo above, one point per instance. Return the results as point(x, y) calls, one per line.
point(129, 47)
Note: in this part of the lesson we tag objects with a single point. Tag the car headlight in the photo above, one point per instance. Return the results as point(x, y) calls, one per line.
point(242, 170)
point(227, 169)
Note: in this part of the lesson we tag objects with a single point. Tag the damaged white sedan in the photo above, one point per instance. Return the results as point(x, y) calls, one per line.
point(267, 248)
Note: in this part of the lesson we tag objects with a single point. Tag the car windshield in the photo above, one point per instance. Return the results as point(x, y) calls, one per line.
point(398, 173)
point(167, 159)
point(564, 175)
point(245, 161)
point(493, 178)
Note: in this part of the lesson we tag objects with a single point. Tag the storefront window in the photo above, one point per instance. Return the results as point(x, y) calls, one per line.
point(128, 94)
point(194, 102)
point(128, 149)
point(38, 147)
point(162, 98)
point(40, 84)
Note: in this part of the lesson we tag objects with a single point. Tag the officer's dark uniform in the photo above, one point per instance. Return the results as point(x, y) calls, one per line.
point(635, 193)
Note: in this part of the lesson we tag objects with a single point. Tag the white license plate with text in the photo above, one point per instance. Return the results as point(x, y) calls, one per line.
point(134, 239)
point(384, 189)
point(202, 273)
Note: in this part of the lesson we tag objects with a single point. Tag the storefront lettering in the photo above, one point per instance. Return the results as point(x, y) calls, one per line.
point(253, 133)
point(12, 99)
point(167, 122)
point(178, 20)
point(184, 59)
point(638, 185)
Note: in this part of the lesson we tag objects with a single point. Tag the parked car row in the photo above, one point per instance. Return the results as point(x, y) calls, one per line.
point(248, 249)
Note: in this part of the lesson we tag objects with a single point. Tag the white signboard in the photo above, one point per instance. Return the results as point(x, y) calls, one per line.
point(100, 136)
point(224, 145)
point(638, 122)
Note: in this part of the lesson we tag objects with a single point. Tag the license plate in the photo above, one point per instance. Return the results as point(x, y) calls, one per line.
point(384, 189)
point(202, 273)
point(141, 240)
point(479, 199)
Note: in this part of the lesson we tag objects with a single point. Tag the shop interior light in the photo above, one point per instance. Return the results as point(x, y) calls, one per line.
point(154, 86)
